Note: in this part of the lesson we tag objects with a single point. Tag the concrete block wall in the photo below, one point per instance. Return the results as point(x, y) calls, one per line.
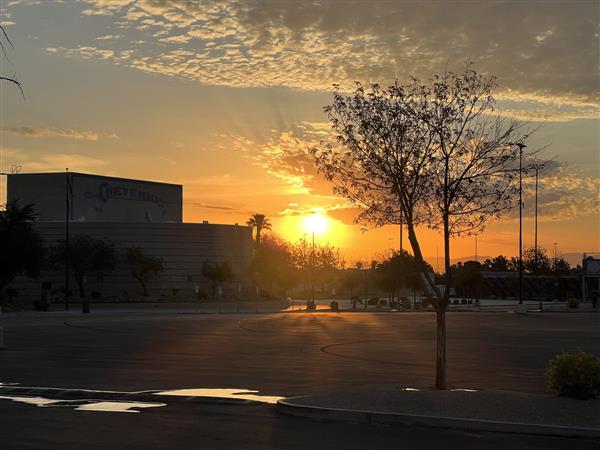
point(183, 246)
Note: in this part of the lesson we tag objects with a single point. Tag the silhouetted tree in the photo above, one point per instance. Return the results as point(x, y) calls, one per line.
point(535, 262)
point(21, 250)
point(217, 273)
point(87, 256)
point(468, 277)
point(143, 266)
point(260, 222)
point(431, 153)
point(272, 266)
point(499, 263)
point(12, 79)
point(317, 264)
point(394, 273)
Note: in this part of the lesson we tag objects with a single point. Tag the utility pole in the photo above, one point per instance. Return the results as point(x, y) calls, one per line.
point(67, 210)
point(476, 259)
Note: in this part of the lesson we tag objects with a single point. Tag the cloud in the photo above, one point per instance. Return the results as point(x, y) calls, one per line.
point(547, 51)
point(54, 132)
point(54, 162)
point(286, 155)
point(564, 191)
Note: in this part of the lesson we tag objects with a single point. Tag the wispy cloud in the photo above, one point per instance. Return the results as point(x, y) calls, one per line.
point(53, 162)
point(68, 133)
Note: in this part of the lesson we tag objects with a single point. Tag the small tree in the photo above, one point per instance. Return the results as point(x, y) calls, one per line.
point(259, 222)
point(143, 266)
point(430, 153)
point(87, 255)
point(218, 274)
point(317, 264)
point(536, 261)
point(21, 250)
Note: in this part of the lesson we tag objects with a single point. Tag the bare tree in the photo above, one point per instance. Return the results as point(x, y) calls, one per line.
point(432, 153)
point(4, 38)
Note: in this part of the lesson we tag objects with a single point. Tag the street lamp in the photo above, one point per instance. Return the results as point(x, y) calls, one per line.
point(521, 307)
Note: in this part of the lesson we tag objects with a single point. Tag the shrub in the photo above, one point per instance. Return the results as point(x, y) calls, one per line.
point(573, 303)
point(575, 375)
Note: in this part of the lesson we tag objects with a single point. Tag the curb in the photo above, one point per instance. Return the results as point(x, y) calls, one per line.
point(387, 418)
point(90, 394)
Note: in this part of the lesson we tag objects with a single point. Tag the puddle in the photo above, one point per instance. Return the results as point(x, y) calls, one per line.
point(38, 401)
point(83, 405)
point(240, 394)
point(410, 389)
point(128, 407)
point(463, 390)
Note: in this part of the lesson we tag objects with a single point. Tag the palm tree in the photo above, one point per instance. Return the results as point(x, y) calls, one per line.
point(21, 250)
point(260, 222)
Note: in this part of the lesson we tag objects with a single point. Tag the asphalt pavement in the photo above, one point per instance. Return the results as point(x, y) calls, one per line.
point(278, 354)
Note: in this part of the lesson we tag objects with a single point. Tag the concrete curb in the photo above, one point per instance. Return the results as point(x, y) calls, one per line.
point(288, 407)
point(90, 394)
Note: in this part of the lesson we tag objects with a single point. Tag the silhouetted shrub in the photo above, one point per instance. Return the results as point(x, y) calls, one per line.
point(575, 375)
point(573, 303)
point(201, 295)
point(95, 295)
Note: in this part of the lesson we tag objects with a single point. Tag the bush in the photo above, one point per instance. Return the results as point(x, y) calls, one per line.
point(573, 303)
point(575, 375)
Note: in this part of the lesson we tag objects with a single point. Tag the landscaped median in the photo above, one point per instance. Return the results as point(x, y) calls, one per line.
point(489, 410)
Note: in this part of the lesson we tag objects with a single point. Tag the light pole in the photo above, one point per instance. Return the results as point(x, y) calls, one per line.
point(521, 307)
point(555, 255)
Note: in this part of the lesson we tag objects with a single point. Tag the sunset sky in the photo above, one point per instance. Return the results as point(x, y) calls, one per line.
point(226, 98)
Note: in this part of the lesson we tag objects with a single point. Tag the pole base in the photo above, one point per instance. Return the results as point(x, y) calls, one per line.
point(521, 308)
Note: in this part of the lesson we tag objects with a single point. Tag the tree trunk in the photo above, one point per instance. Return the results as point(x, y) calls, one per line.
point(258, 231)
point(80, 285)
point(440, 358)
point(416, 248)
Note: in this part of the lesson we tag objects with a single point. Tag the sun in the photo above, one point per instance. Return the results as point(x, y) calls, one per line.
point(316, 223)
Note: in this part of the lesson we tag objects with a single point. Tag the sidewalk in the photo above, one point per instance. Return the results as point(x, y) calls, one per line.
point(494, 410)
